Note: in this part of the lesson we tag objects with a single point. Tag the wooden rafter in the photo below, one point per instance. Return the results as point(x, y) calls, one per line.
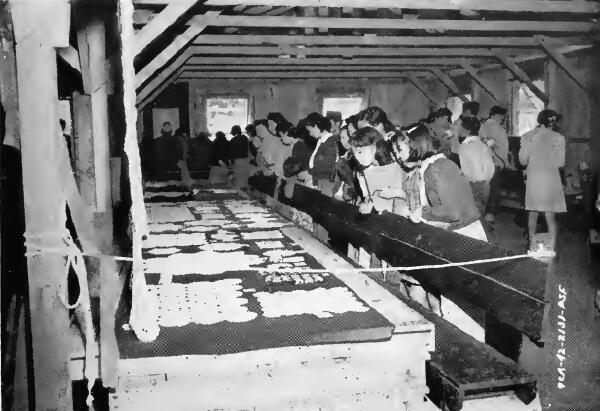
point(70, 56)
point(278, 11)
point(300, 68)
point(448, 82)
point(422, 87)
point(481, 5)
point(143, 16)
point(429, 61)
point(172, 49)
point(347, 51)
point(492, 41)
point(405, 24)
point(166, 73)
point(294, 74)
point(161, 22)
point(485, 85)
point(159, 89)
point(520, 74)
point(552, 49)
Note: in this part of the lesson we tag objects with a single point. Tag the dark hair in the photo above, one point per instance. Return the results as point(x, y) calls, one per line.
point(374, 116)
point(353, 119)
point(166, 122)
point(317, 120)
point(419, 130)
point(548, 118)
point(366, 136)
point(284, 127)
point(2, 122)
point(250, 129)
point(497, 110)
point(219, 135)
point(471, 124)
point(236, 130)
point(63, 124)
point(181, 131)
point(472, 106)
point(336, 116)
point(276, 117)
point(443, 112)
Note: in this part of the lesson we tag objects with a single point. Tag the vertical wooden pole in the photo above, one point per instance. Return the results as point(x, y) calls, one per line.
point(37, 31)
point(8, 82)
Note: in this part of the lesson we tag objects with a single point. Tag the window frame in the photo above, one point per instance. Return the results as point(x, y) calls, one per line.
point(360, 93)
point(226, 96)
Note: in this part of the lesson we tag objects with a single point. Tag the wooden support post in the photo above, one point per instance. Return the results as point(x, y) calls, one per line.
point(448, 82)
point(38, 30)
point(520, 74)
point(8, 84)
point(71, 56)
point(480, 80)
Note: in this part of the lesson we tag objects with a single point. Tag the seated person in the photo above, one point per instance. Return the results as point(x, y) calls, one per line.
point(381, 184)
point(445, 197)
point(476, 160)
point(325, 156)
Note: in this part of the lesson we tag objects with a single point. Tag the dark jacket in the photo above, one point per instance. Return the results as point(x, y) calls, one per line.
point(222, 151)
point(325, 160)
point(449, 194)
point(238, 147)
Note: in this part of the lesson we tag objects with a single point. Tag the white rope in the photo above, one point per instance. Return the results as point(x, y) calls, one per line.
point(39, 243)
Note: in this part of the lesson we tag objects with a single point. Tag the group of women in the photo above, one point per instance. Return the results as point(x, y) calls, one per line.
point(431, 171)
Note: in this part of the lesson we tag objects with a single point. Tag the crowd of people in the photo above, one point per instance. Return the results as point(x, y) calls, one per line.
point(435, 171)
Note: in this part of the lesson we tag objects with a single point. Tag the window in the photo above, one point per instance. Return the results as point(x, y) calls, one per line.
point(526, 107)
point(222, 113)
point(345, 105)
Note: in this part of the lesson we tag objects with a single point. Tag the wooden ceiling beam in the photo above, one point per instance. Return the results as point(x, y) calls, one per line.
point(144, 91)
point(447, 81)
point(430, 61)
point(348, 51)
point(422, 87)
point(520, 74)
point(171, 50)
point(71, 56)
point(143, 16)
point(299, 68)
point(463, 41)
point(484, 83)
point(294, 75)
point(156, 92)
point(542, 6)
point(403, 24)
point(161, 22)
point(552, 49)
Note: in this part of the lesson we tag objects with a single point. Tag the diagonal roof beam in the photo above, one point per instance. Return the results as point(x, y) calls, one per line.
point(422, 87)
point(448, 82)
point(557, 6)
point(70, 56)
point(480, 80)
point(293, 75)
point(520, 74)
point(552, 49)
point(495, 41)
point(151, 96)
point(153, 84)
point(161, 22)
point(175, 47)
point(405, 24)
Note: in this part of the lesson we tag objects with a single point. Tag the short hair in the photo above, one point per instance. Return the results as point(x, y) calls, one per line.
point(353, 119)
point(417, 131)
point(374, 116)
point(334, 115)
point(276, 117)
point(443, 112)
point(250, 129)
point(471, 124)
point(235, 130)
point(219, 134)
point(63, 124)
point(317, 120)
point(472, 106)
point(166, 122)
point(284, 127)
point(366, 136)
point(497, 110)
point(548, 118)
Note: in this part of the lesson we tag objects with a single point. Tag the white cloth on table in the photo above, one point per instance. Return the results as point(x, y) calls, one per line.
point(543, 152)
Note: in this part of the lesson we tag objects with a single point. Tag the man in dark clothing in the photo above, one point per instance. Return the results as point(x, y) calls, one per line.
point(222, 153)
point(238, 145)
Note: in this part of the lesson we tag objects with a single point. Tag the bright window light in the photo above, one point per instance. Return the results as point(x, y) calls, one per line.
point(222, 113)
point(527, 107)
point(345, 105)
